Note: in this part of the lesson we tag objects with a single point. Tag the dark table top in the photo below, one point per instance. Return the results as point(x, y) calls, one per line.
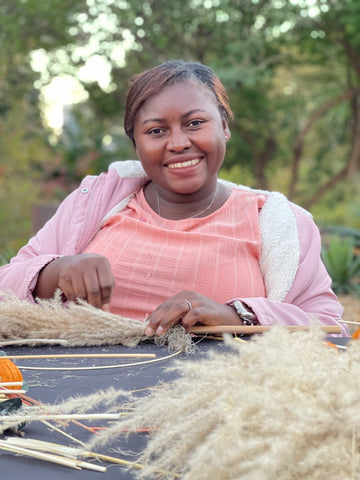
point(55, 386)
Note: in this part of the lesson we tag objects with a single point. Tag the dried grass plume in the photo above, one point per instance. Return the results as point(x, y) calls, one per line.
point(282, 406)
point(77, 323)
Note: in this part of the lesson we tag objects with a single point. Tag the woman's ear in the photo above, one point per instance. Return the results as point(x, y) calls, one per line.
point(226, 129)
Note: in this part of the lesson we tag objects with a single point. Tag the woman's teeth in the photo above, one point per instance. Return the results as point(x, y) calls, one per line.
point(189, 163)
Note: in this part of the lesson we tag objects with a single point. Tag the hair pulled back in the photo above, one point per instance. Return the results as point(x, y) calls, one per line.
point(150, 82)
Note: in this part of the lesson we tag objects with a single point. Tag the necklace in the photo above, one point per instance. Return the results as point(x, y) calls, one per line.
point(191, 216)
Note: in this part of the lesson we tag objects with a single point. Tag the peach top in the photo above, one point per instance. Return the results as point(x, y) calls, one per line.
point(153, 258)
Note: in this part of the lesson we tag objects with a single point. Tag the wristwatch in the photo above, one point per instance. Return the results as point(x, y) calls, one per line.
point(247, 316)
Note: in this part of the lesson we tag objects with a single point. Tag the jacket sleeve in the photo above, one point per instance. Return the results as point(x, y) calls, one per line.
point(73, 226)
point(310, 297)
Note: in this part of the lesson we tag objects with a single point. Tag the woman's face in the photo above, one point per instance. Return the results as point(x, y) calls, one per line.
point(180, 138)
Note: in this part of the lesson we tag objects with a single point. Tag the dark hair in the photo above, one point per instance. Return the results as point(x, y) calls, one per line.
point(150, 82)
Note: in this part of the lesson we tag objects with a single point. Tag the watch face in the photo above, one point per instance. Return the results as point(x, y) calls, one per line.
point(247, 317)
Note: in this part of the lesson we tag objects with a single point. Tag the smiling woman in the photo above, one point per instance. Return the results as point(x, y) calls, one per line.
point(164, 240)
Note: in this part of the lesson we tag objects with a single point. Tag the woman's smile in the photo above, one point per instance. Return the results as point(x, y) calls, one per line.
point(184, 164)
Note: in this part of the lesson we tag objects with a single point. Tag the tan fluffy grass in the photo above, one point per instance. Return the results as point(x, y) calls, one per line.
point(77, 323)
point(283, 407)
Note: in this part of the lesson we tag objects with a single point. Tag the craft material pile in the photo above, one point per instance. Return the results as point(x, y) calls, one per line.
point(283, 406)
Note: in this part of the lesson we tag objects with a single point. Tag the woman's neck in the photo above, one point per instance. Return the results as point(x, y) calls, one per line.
point(180, 206)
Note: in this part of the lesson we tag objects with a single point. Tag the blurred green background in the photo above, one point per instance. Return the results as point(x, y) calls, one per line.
point(291, 68)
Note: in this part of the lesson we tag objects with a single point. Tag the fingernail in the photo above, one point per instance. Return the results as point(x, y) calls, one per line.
point(160, 331)
point(149, 331)
point(106, 307)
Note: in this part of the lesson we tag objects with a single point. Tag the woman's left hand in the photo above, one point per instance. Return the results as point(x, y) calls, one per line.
point(189, 308)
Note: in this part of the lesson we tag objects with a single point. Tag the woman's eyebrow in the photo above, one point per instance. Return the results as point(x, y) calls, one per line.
point(187, 114)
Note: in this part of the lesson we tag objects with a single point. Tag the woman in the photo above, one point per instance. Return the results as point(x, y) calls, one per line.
point(164, 240)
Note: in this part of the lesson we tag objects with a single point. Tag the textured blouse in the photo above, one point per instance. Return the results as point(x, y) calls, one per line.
point(153, 258)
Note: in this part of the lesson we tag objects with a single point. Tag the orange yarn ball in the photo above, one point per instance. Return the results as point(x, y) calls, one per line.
point(9, 372)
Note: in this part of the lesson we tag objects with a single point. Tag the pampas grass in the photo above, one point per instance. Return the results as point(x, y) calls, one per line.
point(283, 406)
point(78, 323)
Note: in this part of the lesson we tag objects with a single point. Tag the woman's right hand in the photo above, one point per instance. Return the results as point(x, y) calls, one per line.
point(87, 276)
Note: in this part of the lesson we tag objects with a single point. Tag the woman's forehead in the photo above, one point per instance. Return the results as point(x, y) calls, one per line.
point(185, 95)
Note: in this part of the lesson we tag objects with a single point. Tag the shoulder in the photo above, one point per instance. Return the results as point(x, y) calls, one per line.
point(273, 202)
point(121, 179)
point(127, 169)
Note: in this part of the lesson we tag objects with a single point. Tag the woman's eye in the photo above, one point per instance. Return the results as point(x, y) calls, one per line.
point(195, 123)
point(155, 131)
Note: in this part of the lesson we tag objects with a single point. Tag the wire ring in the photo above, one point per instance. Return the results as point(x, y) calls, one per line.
point(188, 304)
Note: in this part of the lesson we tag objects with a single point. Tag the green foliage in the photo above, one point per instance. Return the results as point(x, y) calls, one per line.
point(340, 206)
point(6, 254)
point(342, 264)
point(280, 62)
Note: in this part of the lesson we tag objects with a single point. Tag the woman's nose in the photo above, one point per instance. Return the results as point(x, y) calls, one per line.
point(178, 140)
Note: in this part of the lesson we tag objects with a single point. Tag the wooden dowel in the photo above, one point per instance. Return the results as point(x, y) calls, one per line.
point(29, 417)
point(7, 391)
point(10, 384)
point(23, 341)
point(250, 329)
point(349, 322)
point(50, 457)
point(81, 355)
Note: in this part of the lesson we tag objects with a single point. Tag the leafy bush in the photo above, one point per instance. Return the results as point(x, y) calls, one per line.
point(6, 255)
point(342, 264)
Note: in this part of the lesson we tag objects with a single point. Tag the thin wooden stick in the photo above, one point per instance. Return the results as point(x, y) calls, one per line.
point(81, 355)
point(7, 391)
point(43, 446)
point(250, 329)
point(107, 458)
point(64, 450)
point(101, 367)
point(29, 417)
point(56, 341)
point(349, 322)
point(62, 432)
point(49, 457)
point(10, 384)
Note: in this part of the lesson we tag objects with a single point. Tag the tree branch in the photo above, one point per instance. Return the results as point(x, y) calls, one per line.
point(300, 139)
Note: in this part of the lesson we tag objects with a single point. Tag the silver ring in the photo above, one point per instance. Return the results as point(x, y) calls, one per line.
point(188, 304)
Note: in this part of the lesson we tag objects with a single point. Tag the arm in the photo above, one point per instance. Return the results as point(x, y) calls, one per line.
point(62, 235)
point(66, 234)
point(310, 296)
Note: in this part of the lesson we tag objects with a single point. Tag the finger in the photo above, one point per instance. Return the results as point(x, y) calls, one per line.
point(107, 284)
point(93, 289)
point(166, 316)
point(202, 315)
point(106, 307)
point(72, 287)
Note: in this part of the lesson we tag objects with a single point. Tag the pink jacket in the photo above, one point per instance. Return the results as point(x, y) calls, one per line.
point(297, 284)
